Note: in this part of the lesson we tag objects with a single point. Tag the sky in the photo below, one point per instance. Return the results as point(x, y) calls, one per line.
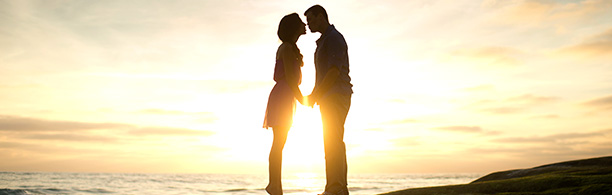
point(181, 86)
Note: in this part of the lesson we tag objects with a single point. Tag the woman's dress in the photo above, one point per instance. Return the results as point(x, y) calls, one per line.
point(281, 103)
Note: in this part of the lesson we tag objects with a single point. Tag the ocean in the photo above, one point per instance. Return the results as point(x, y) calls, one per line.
point(210, 184)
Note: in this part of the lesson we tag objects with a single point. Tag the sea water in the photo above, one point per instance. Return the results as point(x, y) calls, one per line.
point(210, 184)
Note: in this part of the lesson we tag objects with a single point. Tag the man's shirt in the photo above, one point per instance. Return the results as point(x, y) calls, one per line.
point(332, 51)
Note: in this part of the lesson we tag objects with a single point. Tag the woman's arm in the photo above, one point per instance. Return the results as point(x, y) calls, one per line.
point(289, 59)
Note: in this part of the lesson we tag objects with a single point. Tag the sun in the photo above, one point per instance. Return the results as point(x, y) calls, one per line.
point(304, 148)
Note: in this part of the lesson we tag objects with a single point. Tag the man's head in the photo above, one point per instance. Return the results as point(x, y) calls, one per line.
point(316, 17)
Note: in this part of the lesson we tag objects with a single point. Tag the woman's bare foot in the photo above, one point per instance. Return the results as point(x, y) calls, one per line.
point(274, 190)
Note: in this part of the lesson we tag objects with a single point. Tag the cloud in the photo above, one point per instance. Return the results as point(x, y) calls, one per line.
point(234, 86)
point(548, 116)
point(69, 137)
point(599, 105)
point(542, 154)
point(168, 131)
point(14, 123)
point(397, 100)
point(204, 117)
point(598, 48)
point(532, 99)
point(42, 148)
point(161, 111)
point(466, 129)
point(604, 36)
point(512, 105)
point(406, 141)
point(5, 145)
point(554, 137)
point(480, 88)
point(536, 12)
point(401, 121)
point(462, 129)
point(503, 56)
point(374, 129)
point(600, 102)
point(547, 147)
point(504, 110)
point(596, 45)
point(140, 36)
point(41, 129)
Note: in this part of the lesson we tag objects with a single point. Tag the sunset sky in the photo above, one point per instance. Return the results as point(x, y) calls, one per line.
point(181, 86)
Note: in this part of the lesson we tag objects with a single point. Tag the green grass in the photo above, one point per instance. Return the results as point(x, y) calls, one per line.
point(565, 180)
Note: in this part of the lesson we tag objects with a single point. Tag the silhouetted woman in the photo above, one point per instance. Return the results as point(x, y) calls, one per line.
point(281, 103)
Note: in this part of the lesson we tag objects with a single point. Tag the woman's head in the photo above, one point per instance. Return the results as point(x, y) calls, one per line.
point(290, 28)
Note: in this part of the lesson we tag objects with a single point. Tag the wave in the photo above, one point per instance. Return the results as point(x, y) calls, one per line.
point(362, 188)
point(236, 190)
point(17, 192)
point(7, 191)
point(95, 191)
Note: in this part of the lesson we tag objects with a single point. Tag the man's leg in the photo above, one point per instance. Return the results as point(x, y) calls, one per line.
point(334, 110)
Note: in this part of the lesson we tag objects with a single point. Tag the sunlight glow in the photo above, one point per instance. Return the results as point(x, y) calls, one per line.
point(304, 147)
point(313, 182)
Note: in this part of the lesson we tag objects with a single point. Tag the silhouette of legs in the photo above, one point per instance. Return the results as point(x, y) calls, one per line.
point(334, 110)
point(275, 186)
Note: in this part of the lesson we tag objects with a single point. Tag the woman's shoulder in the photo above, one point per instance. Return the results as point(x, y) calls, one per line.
point(285, 49)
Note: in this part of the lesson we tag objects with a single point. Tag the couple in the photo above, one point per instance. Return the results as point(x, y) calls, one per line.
point(332, 92)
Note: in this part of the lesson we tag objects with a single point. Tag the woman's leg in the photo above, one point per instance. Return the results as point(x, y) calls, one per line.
point(275, 186)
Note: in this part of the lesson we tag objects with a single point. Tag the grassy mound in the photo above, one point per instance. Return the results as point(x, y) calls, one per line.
point(589, 176)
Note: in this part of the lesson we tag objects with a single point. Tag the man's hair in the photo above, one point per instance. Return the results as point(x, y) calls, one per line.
point(288, 26)
point(316, 10)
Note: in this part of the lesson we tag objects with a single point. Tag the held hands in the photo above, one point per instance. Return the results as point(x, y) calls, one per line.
point(306, 100)
point(301, 99)
point(309, 100)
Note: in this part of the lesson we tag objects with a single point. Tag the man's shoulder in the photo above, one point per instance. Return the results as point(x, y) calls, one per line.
point(334, 32)
point(335, 40)
point(332, 41)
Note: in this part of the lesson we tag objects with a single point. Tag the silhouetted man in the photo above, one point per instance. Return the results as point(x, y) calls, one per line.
point(332, 91)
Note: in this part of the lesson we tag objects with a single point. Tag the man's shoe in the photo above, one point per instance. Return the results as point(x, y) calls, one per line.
point(330, 193)
point(326, 193)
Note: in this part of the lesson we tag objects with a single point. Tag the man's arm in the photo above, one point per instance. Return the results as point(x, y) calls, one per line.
point(326, 84)
point(336, 52)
